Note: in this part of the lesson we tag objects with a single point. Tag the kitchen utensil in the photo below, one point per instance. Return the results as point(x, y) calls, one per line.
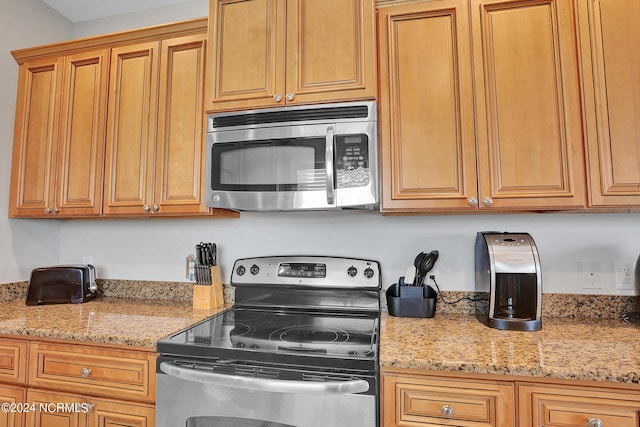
point(409, 276)
point(416, 264)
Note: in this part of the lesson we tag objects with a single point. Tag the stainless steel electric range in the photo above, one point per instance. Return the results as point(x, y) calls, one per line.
point(298, 349)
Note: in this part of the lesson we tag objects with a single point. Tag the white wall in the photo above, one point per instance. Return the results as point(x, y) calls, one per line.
point(156, 249)
point(180, 12)
point(24, 244)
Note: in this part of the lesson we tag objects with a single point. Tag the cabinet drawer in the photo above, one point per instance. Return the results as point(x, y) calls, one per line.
point(13, 360)
point(560, 407)
point(93, 370)
point(435, 401)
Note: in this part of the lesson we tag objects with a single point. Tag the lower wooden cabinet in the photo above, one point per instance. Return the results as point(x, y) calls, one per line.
point(68, 410)
point(557, 406)
point(412, 400)
point(13, 395)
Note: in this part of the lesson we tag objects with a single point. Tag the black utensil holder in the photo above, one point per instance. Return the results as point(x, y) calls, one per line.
point(411, 301)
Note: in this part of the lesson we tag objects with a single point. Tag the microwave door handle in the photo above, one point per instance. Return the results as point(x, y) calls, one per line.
point(265, 384)
point(328, 158)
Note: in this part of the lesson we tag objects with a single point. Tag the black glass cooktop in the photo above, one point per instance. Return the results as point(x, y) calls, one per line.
point(298, 337)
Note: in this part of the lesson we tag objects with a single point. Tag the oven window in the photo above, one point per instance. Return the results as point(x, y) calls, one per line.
point(230, 422)
point(273, 165)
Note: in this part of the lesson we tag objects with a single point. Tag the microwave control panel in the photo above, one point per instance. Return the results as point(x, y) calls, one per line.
point(352, 161)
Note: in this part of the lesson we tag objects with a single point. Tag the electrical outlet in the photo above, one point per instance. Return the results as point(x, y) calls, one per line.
point(591, 275)
point(624, 275)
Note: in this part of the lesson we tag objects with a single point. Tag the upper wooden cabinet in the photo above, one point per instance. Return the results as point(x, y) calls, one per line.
point(426, 107)
point(265, 53)
point(610, 41)
point(59, 136)
point(112, 125)
point(155, 132)
point(528, 106)
point(526, 150)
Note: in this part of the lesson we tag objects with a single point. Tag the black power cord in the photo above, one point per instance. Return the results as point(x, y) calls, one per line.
point(432, 277)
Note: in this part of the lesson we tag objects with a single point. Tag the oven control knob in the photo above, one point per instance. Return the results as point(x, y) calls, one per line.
point(241, 270)
point(368, 272)
point(254, 269)
point(352, 271)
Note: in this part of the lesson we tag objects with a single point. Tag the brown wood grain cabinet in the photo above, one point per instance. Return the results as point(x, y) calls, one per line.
point(155, 131)
point(109, 386)
point(610, 43)
point(12, 395)
point(502, 134)
point(267, 53)
point(59, 136)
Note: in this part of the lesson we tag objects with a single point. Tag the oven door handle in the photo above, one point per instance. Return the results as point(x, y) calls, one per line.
point(329, 162)
point(265, 384)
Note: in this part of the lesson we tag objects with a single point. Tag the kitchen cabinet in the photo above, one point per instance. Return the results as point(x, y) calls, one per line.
point(557, 406)
point(11, 395)
point(112, 126)
point(610, 44)
point(411, 400)
point(59, 136)
point(155, 156)
point(267, 53)
point(516, 113)
point(101, 385)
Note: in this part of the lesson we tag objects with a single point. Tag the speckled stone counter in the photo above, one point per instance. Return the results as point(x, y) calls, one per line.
point(132, 322)
point(565, 348)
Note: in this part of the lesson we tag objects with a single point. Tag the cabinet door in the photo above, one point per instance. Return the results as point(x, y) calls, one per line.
point(576, 406)
point(107, 413)
point(54, 415)
point(530, 134)
point(412, 400)
point(131, 124)
point(611, 34)
point(9, 394)
point(180, 150)
point(426, 107)
point(246, 54)
point(35, 138)
point(330, 50)
point(81, 143)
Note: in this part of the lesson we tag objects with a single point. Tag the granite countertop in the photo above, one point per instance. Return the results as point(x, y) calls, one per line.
point(122, 321)
point(565, 348)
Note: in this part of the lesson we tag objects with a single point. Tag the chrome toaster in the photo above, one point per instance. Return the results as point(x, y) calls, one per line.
point(62, 284)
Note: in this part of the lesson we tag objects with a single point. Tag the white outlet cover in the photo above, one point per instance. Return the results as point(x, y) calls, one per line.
point(591, 275)
point(624, 275)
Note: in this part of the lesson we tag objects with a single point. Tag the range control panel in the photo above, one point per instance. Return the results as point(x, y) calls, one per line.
point(307, 271)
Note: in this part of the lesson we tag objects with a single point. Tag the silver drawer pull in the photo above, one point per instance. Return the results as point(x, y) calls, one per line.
point(595, 422)
point(447, 411)
point(85, 372)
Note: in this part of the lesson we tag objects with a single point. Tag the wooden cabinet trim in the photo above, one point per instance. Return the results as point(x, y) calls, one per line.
point(13, 360)
point(152, 33)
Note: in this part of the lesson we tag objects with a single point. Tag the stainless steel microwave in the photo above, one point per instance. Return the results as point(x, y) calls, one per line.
point(294, 158)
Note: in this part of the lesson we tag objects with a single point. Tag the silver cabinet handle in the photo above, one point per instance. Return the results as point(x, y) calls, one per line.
point(595, 422)
point(277, 97)
point(290, 97)
point(146, 208)
point(48, 211)
point(155, 208)
point(265, 384)
point(328, 160)
point(447, 411)
point(85, 372)
point(488, 201)
point(472, 201)
point(55, 210)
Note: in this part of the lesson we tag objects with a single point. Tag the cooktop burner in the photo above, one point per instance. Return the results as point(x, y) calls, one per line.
point(278, 336)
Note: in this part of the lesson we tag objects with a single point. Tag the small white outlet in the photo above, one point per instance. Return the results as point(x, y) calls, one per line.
point(87, 259)
point(591, 275)
point(624, 277)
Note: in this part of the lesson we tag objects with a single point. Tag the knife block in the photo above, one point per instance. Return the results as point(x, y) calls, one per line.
point(209, 296)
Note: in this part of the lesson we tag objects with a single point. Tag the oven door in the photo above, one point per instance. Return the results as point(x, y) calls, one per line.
point(189, 397)
point(311, 166)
